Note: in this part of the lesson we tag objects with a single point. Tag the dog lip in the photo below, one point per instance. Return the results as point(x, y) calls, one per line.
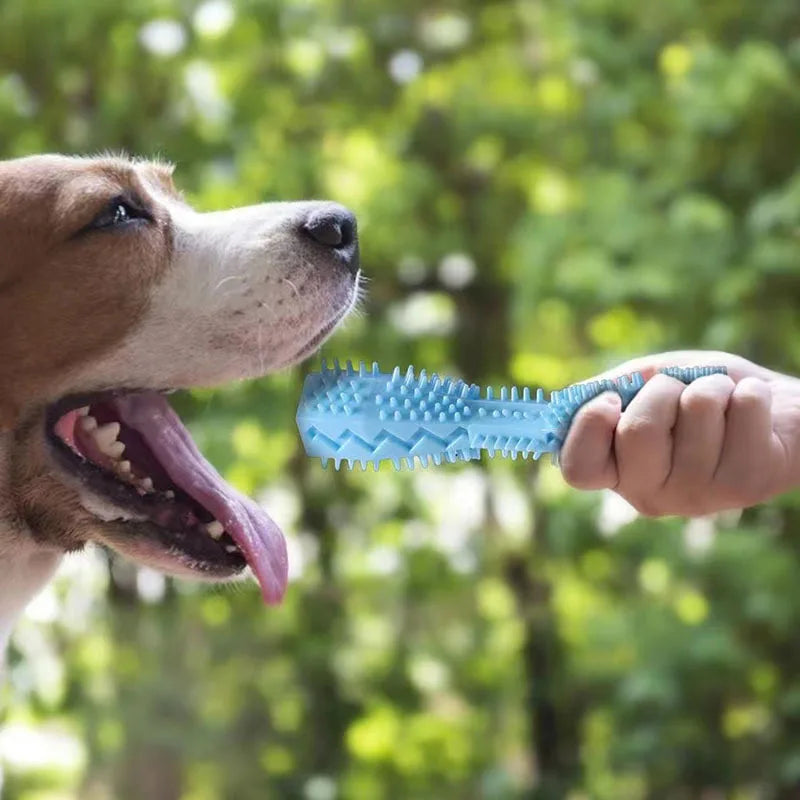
point(318, 338)
point(74, 400)
point(153, 517)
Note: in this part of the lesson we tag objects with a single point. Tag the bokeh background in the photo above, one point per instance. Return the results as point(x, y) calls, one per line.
point(544, 188)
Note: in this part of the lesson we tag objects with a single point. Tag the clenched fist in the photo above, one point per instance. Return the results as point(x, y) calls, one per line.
point(722, 442)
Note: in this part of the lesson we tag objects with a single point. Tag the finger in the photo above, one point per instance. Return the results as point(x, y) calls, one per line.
point(699, 434)
point(643, 441)
point(744, 470)
point(587, 457)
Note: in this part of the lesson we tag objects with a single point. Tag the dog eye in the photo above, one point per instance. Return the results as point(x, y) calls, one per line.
point(118, 213)
point(121, 214)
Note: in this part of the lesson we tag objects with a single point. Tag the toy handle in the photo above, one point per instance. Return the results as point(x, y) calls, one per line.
point(683, 374)
point(565, 403)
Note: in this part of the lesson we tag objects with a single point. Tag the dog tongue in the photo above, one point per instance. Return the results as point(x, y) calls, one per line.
point(257, 536)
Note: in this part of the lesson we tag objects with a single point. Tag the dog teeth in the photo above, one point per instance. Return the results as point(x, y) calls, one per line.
point(146, 484)
point(215, 529)
point(106, 435)
point(82, 412)
point(124, 467)
point(169, 494)
point(116, 449)
point(231, 548)
point(88, 424)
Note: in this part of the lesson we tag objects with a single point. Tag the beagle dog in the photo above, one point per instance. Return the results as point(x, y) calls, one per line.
point(114, 292)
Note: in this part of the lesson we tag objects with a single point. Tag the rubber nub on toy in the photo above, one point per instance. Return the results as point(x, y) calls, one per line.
point(361, 416)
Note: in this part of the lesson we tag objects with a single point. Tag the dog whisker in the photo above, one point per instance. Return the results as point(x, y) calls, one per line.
point(294, 288)
point(226, 279)
point(265, 304)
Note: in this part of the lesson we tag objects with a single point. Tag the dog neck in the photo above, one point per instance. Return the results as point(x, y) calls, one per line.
point(24, 567)
point(22, 577)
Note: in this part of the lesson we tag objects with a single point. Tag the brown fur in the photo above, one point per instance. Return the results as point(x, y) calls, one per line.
point(56, 311)
point(66, 297)
point(44, 507)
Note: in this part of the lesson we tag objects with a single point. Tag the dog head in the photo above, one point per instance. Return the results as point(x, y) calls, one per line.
point(113, 291)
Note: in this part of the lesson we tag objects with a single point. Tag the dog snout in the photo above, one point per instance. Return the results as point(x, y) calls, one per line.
point(335, 227)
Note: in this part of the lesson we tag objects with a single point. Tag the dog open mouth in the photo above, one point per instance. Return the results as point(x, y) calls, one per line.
point(132, 450)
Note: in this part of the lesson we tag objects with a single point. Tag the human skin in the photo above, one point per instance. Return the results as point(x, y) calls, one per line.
point(721, 442)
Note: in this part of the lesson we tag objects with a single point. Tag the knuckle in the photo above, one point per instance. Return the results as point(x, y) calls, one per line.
point(699, 402)
point(635, 428)
point(750, 392)
point(707, 395)
point(661, 382)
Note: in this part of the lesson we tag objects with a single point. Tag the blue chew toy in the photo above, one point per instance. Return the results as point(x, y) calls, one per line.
point(362, 416)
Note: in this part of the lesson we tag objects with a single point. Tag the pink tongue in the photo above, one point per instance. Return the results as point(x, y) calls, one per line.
point(256, 535)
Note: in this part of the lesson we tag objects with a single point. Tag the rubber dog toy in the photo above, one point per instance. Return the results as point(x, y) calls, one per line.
point(364, 416)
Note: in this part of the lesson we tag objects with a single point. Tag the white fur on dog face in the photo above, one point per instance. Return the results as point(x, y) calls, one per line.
point(247, 292)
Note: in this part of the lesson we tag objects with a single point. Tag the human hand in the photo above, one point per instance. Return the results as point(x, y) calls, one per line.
point(721, 442)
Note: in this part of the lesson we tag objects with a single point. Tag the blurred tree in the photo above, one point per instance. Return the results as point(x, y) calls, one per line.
point(543, 189)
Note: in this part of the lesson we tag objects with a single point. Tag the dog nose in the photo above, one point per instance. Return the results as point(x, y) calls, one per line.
point(332, 227)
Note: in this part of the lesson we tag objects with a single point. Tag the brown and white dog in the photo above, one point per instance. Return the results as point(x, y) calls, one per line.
point(113, 291)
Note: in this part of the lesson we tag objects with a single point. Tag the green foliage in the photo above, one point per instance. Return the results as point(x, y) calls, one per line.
point(543, 188)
